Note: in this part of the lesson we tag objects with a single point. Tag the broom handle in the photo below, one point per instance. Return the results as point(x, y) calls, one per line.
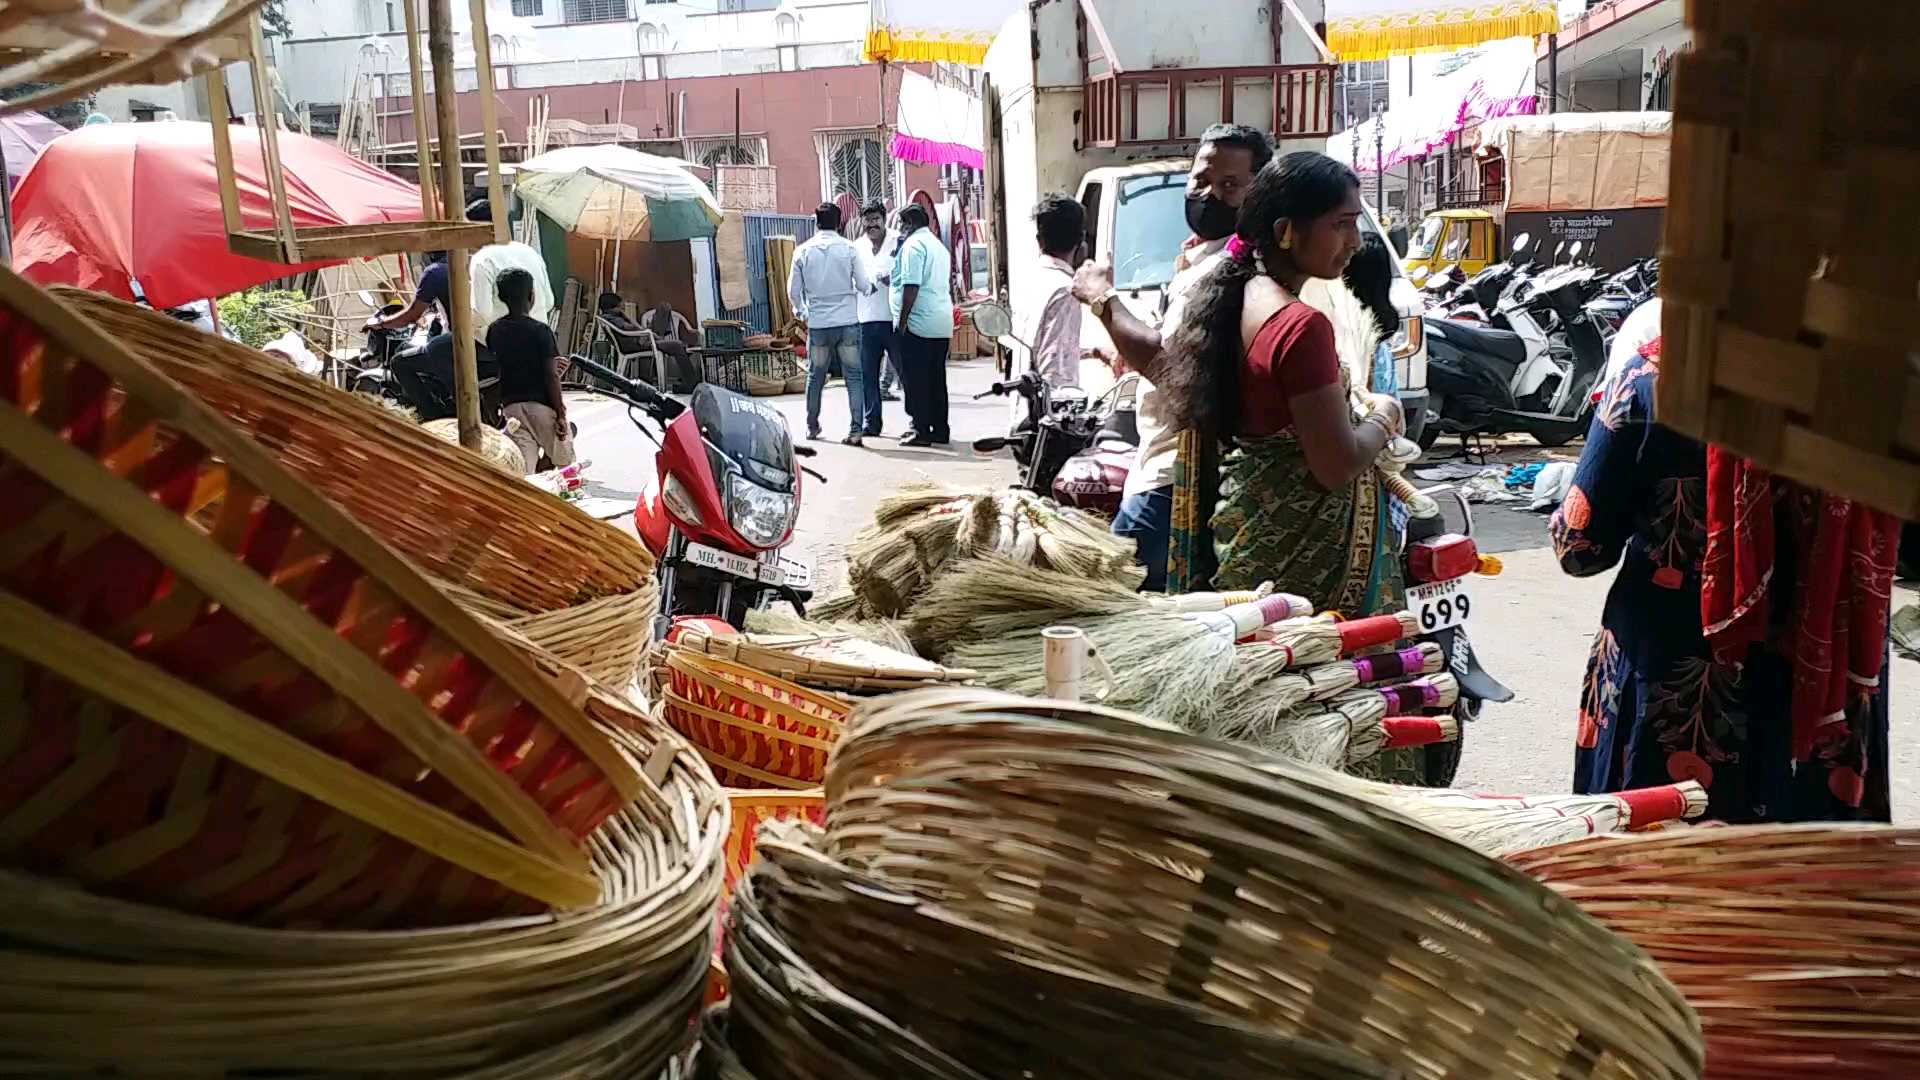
point(1357, 634)
point(1393, 665)
point(1407, 731)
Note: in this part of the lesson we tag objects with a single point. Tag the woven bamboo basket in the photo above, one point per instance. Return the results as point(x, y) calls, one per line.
point(1797, 945)
point(751, 808)
point(754, 729)
point(103, 986)
point(987, 1002)
point(1236, 881)
point(557, 574)
point(1790, 266)
point(155, 556)
point(771, 372)
point(823, 661)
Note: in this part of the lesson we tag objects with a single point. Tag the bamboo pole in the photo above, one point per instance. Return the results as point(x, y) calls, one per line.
point(490, 134)
point(422, 140)
point(466, 380)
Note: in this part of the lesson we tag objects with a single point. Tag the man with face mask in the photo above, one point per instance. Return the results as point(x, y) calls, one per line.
point(1223, 170)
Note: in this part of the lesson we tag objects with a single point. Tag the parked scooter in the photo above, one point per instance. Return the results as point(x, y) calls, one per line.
point(1075, 449)
point(435, 399)
point(1529, 366)
point(1440, 560)
point(721, 508)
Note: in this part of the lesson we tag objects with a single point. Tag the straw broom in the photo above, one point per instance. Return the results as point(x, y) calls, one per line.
point(983, 599)
point(1500, 825)
point(1438, 691)
point(1345, 732)
point(915, 538)
point(1170, 665)
point(1264, 695)
point(1303, 642)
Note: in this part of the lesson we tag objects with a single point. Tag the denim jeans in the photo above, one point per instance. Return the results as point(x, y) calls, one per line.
point(1147, 520)
point(876, 346)
point(824, 346)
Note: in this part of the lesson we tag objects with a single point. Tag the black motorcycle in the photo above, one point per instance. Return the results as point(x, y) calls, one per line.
point(434, 398)
point(1053, 429)
point(1439, 558)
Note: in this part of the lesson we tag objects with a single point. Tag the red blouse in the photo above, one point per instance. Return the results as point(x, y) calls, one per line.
point(1293, 354)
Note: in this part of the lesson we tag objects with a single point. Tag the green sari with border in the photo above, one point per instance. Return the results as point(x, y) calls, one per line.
point(1257, 514)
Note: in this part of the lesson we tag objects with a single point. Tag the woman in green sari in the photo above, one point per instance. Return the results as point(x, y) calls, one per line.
point(1276, 479)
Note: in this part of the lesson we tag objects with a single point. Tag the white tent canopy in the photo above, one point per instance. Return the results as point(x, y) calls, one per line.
point(613, 193)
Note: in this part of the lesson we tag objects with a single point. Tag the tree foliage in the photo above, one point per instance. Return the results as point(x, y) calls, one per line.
point(258, 315)
point(273, 19)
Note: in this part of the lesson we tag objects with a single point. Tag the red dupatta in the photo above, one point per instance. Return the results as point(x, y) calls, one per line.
point(1842, 591)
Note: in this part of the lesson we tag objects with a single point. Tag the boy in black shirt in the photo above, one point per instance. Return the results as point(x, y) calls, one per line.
point(529, 361)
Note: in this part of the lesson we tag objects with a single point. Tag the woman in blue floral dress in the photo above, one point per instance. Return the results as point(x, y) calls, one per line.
point(1663, 700)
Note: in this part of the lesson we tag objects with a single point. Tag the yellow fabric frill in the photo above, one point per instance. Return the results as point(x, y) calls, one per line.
point(908, 47)
point(1372, 37)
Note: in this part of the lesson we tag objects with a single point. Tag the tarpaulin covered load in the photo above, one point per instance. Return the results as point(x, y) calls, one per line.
point(1584, 161)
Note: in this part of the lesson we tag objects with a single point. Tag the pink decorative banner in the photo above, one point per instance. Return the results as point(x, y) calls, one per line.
point(928, 152)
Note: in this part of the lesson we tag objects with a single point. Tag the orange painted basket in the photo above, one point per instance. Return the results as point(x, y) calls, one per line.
point(755, 730)
point(752, 808)
point(222, 695)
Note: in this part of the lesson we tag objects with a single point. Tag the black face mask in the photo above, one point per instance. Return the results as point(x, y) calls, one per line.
point(1210, 217)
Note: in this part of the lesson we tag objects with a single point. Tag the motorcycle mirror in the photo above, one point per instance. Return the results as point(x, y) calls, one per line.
point(1574, 253)
point(1419, 275)
point(1559, 249)
point(1521, 242)
point(991, 320)
point(988, 446)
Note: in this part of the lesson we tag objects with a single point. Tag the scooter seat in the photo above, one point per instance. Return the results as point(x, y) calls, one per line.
point(1504, 344)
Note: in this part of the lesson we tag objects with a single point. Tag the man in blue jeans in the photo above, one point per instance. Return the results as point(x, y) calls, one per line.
point(878, 351)
point(825, 287)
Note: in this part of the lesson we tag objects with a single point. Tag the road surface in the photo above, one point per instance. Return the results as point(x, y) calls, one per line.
point(1532, 624)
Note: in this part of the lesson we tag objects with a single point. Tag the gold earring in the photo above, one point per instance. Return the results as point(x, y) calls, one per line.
point(1286, 239)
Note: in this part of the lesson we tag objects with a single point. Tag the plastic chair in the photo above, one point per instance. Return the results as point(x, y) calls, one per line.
point(636, 353)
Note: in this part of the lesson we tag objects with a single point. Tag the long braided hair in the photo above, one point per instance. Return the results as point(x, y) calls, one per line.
point(1200, 382)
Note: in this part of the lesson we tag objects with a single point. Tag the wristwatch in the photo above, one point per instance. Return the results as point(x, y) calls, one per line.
point(1099, 304)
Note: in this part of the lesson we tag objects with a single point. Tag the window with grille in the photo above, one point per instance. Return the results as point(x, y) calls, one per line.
point(575, 11)
point(652, 38)
point(529, 8)
point(857, 165)
point(723, 150)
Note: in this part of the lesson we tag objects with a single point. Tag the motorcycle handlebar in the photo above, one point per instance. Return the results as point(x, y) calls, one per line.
point(653, 401)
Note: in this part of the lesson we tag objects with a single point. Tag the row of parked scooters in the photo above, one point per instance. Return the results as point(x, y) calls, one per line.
point(1521, 345)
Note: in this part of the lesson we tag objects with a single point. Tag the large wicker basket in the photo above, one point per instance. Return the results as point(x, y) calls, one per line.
point(580, 588)
point(161, 575)
point(1791, 263)
point(1238, 883)
point(839, 974)
point(1799, 946)
point(106, 987)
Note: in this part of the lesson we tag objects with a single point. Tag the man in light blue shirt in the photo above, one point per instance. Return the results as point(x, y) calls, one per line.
point(825, 287)
point(922, 293)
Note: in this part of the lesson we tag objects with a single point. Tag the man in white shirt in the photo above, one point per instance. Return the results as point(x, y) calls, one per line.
point(825, 286)
point(1223, 170)
point(1049, 314)
point(878, 353)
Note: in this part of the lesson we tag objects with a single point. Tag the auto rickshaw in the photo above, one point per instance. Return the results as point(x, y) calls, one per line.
point(1468, 239)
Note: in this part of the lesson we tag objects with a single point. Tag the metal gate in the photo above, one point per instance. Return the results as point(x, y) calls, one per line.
point(757, 315)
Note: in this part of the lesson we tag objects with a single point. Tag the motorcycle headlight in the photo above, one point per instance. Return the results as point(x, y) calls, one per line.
point(761, 517)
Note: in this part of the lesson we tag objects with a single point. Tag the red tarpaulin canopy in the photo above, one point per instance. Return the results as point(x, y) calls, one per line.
point(116, 201)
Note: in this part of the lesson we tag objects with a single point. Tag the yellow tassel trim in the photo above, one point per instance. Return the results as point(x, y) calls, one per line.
point(885, 44)
point(1377, 36)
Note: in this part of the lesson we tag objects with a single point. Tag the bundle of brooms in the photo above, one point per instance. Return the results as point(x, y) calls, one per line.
point(917, 534)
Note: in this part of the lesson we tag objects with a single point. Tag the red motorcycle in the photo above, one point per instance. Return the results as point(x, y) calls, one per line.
point(722, 504)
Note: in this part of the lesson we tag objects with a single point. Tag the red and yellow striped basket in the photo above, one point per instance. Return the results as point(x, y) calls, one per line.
point(221, 694)
point(752, 808)
point(755, 730)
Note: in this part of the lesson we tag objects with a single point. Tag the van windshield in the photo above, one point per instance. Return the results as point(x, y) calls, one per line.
point(1421, 245)
point(1149, 225)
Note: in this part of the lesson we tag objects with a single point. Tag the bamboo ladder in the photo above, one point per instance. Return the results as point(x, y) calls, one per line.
point(441, 227)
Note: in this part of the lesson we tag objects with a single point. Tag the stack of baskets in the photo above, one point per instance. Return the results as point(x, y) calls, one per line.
point(771, 372)
point(579, 588)
point(767, 709)
point(223, 697)
point(1007, 887)
point(1797, 945)
point(1789, 267)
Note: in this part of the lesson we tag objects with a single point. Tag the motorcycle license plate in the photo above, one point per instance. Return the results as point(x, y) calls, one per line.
point(1440, 605)
point(777, 568)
